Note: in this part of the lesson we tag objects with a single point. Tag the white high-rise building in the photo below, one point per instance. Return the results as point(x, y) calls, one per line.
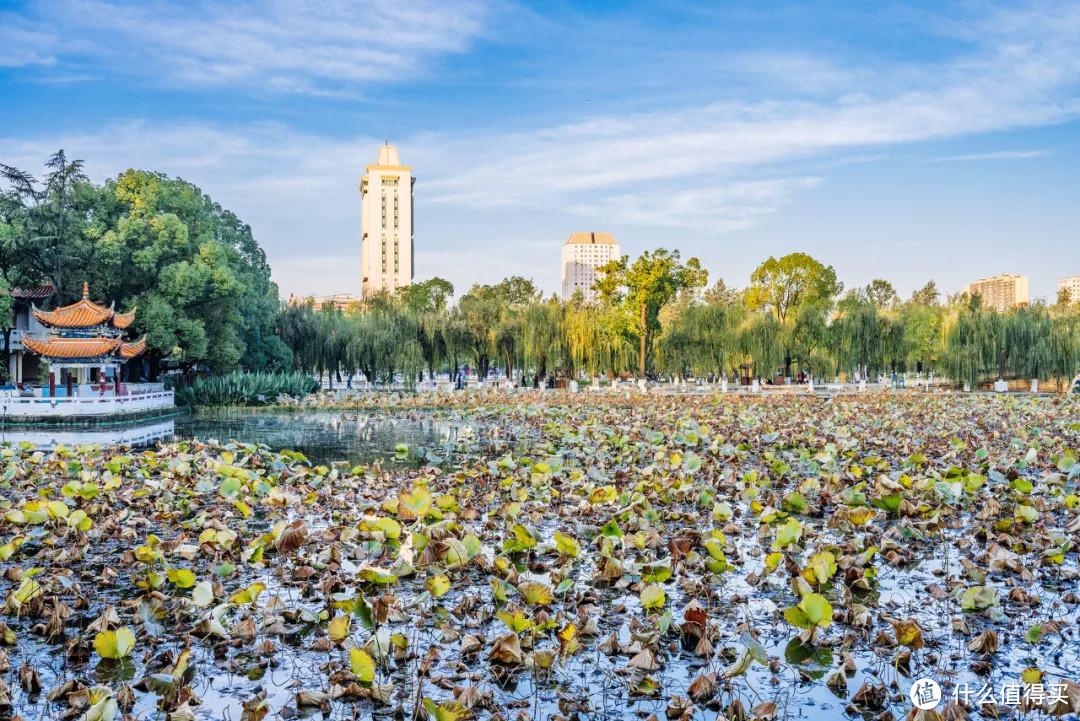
point(582, 254)
point(1073, 286)
point(386, 224)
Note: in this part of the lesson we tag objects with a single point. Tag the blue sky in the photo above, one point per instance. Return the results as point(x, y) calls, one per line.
point(911, 141)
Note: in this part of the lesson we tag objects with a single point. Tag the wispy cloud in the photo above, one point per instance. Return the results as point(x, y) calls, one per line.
point(1022, 74)
point(716, 167)
point(997, 155)
point(326, 47)
point(719, 208)
point(22, 45)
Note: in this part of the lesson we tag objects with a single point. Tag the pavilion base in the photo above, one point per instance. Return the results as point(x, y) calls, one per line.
point(18, 410)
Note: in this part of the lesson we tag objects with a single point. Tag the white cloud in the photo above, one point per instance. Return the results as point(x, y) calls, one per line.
point(23, 46)
point(720, 166)
point(718, 209)
point(996, 155)
point(330, 46)
point(1023, 73)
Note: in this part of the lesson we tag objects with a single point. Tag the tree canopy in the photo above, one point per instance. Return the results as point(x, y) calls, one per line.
point(199, 280)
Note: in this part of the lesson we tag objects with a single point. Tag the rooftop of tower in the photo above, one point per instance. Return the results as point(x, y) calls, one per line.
point(590, 239)
point(388, 160)
point(388, 155)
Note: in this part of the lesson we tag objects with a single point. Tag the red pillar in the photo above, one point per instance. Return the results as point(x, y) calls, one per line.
point(52, 384)
point(69, 384)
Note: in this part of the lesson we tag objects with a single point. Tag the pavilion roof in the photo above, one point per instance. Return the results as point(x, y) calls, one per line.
point(34, 292)
point(132, 349)
point(123, 320)
point(72, 348)
point(83, 314)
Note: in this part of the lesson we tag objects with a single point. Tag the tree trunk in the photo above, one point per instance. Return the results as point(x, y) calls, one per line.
point(641, 351)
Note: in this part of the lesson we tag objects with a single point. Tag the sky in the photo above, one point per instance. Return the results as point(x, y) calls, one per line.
point(910, 141)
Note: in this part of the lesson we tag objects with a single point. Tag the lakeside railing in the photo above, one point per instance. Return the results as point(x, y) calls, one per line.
point(13, 406)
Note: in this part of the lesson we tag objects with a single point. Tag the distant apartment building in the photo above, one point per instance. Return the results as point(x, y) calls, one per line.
point(341, 301)
point(582, 254)
point(1072, 285)
point(1001, 292)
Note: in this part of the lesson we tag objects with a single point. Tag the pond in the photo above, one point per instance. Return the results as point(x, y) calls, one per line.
point(689, 559)
point(323, 437)
point(326, 437)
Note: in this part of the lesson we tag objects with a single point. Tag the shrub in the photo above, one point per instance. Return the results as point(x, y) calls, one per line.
point(242, 388)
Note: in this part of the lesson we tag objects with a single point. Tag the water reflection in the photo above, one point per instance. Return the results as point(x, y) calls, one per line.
point(329, 436)
point(322, 437)
point(138, 435)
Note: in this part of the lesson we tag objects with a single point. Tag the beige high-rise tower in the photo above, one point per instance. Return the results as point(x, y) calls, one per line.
point(386, 224)
point(582, 254)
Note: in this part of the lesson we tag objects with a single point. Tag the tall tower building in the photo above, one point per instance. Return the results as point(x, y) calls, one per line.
point(386, 223)
point(582, 254)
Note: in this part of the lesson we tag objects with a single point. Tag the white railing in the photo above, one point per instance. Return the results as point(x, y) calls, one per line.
point(78, 406)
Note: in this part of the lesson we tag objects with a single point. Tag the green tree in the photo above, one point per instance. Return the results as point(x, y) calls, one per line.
point(926, 296)
point(643, 288)
point(200, 281)
point(783, 286)
point(881, 293)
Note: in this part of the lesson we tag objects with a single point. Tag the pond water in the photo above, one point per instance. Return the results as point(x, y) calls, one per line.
point(324, 437)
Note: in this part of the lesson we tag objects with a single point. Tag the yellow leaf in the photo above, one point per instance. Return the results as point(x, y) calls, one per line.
point(437, 585)
point(362, 665)
point(114, 644)
point(182, 577)
point(652, 597)
point(247, 595)
point(339, 628)
point(536, 593)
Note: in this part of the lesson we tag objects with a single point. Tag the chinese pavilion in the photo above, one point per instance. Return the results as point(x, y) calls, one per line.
point(85, 344)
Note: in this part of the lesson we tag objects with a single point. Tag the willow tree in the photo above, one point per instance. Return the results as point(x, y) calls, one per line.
point(593, 337)
point(921, 326)
point(855, 334)
point(1065, 344)
point(759, 341)
point(428, 302)
point(643, 288)
point(1045, 342)
point(542, 337)
point(782, 286)
point(298, 328)
point(700, 336)
point(477, 317)
point(971, 346)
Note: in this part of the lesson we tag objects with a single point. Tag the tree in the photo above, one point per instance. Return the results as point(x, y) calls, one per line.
point(782, 286)
point(7, 304)
point(926, 296)
point(1064, 296)
point(50, 219)
point(881, 293)
point(922, 328)
point(700, 336)
point(643, 288)
point(200, 282)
